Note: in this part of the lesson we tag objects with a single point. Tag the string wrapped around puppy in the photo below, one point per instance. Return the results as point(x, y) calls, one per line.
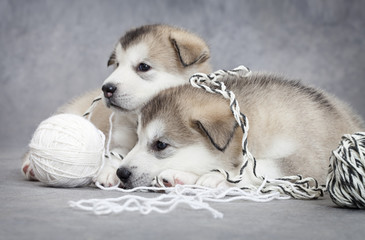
point(294, 186)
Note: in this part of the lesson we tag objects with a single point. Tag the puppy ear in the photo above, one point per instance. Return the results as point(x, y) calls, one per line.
point(219, 132)
point(189, 48)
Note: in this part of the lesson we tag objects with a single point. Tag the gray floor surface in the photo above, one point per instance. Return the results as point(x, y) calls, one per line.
point(29, 210)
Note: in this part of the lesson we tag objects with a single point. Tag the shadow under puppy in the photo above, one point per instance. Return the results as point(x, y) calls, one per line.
point(185, 132)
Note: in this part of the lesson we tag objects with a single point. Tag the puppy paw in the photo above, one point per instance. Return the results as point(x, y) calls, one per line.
point(27, 170)
point(171, 178)
point(213, 180)
point(107, 176)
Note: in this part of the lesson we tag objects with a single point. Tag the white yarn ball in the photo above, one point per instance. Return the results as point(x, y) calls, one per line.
point(66, 151)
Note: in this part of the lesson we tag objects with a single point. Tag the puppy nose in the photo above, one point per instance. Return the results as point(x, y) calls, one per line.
point(108, 89)
point(123, 174)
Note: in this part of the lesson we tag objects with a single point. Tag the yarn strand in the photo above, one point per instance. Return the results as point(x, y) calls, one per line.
point(197, 197)
point(292, 185)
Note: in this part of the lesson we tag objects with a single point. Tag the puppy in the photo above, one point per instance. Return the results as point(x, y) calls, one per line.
point(146, 60)
point(185, 132)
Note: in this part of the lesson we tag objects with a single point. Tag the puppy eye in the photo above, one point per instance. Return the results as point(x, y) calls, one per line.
point(117, 64)
point(143, 67)
point(159, 146)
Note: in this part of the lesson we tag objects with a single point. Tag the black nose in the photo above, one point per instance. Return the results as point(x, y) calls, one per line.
point(108, 89)
point(123, 174)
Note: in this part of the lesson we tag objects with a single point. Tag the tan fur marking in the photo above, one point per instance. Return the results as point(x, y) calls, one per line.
point(189, 48)
point(277, 110)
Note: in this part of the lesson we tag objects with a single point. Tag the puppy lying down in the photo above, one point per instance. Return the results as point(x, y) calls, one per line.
point(185, 132)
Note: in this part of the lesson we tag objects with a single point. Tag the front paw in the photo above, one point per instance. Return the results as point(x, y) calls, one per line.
point(171, 178)
point(27, 168)
point(214, 180)
point(107, 177)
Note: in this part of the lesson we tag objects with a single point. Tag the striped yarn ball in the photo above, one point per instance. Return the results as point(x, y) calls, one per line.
point(346, 177)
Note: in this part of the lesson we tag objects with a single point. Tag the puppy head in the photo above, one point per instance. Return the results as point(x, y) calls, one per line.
point(182, 129)
point(149, 59)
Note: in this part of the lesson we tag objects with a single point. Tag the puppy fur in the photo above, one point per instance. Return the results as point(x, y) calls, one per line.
point(172, 54)
point(186, 132)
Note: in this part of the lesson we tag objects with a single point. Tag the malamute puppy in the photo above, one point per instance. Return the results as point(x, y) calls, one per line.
point(185, 132)
point(147, 60)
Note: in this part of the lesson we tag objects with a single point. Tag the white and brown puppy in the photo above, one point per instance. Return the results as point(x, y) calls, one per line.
point(147, 60)
point(184, 133)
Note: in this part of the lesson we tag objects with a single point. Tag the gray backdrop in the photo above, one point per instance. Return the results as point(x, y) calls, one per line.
point(51, 51)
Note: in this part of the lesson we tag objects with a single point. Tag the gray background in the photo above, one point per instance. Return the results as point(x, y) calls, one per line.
point(51, 51)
